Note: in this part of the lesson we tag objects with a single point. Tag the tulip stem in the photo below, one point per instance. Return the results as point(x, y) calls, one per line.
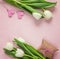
point(28, 56)
point(35, 57)
point(25, 6)
point(43, 9)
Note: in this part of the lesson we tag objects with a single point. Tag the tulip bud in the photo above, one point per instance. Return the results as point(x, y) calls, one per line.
point(9, 46)
point(21, 40)
point(48, 14)
point(19, 53)
point(37, 15)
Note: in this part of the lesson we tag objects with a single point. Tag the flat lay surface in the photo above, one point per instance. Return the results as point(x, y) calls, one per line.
point(33, 31)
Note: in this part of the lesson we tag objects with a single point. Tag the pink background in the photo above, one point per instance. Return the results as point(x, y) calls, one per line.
point(28, 28)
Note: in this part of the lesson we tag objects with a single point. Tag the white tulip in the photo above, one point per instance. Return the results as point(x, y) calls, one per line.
point(36, 15)
point(19, 53)
point(9, 46)
point(21, 40)
point(48, 14)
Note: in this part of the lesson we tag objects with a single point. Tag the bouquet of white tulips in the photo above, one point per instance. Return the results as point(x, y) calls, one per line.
point(32, 5)
point(24, 51)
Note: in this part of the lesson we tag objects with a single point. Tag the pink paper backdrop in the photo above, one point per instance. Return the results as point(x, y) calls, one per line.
point(28, 28)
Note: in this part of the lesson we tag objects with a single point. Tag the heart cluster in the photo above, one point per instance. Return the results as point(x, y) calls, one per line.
point(11, 12)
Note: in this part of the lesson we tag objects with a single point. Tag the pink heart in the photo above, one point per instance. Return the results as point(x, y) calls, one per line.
point(20, 14)
point(10, 12)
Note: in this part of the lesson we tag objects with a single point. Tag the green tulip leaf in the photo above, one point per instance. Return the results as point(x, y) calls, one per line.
point(42, 5)
point(32, 1)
